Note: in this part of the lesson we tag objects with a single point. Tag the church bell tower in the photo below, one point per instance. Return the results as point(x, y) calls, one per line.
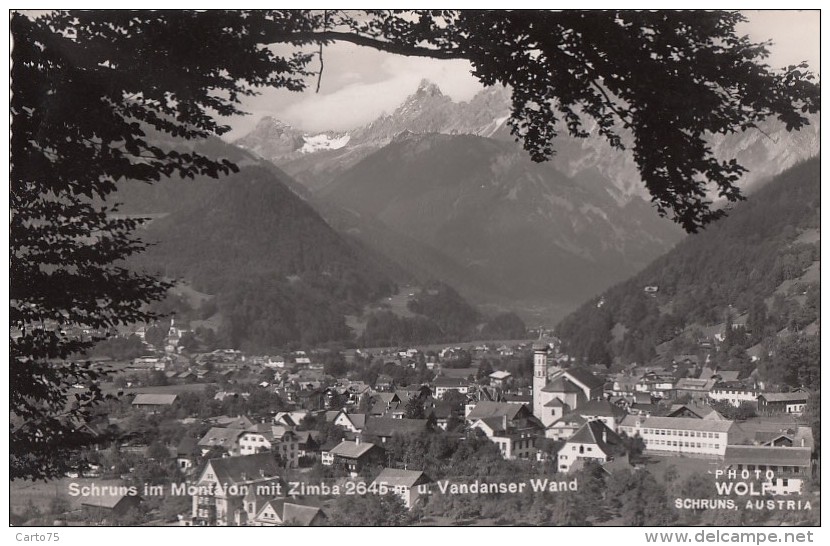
point(540, 375)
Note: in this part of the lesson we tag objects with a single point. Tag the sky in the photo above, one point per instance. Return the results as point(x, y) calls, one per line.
point(359, 83)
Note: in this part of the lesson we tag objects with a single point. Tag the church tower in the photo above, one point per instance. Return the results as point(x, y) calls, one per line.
point(540, 376)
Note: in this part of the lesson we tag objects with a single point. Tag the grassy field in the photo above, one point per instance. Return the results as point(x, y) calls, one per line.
point(41, 494)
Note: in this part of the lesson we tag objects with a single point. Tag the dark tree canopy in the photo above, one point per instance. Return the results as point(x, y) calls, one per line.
point(101, 96)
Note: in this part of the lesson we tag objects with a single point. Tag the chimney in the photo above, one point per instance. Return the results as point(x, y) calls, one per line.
point(802, 442)
point(357, 440)
point(504, 422)
point(604, 440)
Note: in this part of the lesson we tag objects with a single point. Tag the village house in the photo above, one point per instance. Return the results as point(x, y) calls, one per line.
point(354, 455)
point(108, 506)
point(510, 426)
point(500, 379)
point(680, 435)
point(384, 428)
point(594, 441)
point(623, 384)
point(224, 484)
point(384, 382)
point(220, 437)
point(148, 363)
point(186, 452)
point(790, 403)
point(518, 396)
point(783, 470)
point(443, 412)
point(352, 422)
point(289, 418)
point(403, 483)
point(226, 421)
point(445, 384)
point(281, 512)
point(657, 384)
point(602, 410)
point(697, 389)
point(565, 427)
point(153, 403)
point(797, 436)
point(277, 439)
point(309, 399)
point(515, 438)
point(695, 411)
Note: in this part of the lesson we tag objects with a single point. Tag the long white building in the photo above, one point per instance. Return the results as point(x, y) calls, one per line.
point(680, 435)
point(734, 392)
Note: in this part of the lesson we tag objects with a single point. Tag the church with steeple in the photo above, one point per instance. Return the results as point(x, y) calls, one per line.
point(557, 391)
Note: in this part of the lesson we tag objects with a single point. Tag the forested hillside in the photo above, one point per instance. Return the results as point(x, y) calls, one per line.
point(752, 277)
point(271, 273)
point(278, 272)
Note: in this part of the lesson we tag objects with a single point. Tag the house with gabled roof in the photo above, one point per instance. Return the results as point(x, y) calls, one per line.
point(354, 455)
point(153, 402)
point(110, 505)
point(783, 470)
point(186, 453)
point(224, 438)
point(697, 389)
point(224, 484)
point(308, 442)
point(512, 427)
point(445, 384)
point(594, 441)
point(384, 428)
point(516, 438)
point(353, 422)
point(277, 439)
point(695, 411)
point(403, 483)
point(384, 382)
point(566, 426)
point(602, 410)
point(485, 409)
point(443, 412)
point(288, 512)
point(790, 403)
point(240, 421)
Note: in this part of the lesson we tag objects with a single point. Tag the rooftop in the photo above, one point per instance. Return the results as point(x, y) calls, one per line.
point(486, 409)
point(245, 468)
point(352, 450)
point(397, 477)
point(146, 399)
point(679, 423)
point(386, 426)
point(219, 436)
point(783, 396)
point(768, 455)
point(596, 432)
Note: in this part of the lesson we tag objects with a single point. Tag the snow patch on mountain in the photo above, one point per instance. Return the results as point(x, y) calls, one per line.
point(323, 141)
